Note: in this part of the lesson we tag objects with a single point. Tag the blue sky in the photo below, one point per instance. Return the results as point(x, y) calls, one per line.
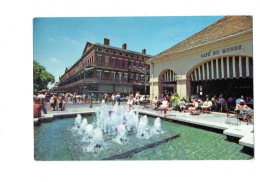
point(59, 42)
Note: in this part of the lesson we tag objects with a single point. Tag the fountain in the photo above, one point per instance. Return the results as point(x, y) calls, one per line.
point(116, 124)
point(157, 128)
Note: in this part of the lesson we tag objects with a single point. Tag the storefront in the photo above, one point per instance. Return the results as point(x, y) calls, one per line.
point(217, 60)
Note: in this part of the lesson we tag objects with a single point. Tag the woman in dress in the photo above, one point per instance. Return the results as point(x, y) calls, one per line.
point(195, 106)
point(164, 106)
point(130, 100)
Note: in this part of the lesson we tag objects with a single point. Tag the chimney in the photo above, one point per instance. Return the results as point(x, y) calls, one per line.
point(144, 51)
point(106, 41)
point(124, 46)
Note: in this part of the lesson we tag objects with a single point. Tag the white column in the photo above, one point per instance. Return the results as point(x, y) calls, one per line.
point(222, 67)
point(208, 70)
point(240, 66)
point(212, 69)
point(234, 67)
point(192, 79)
point(247, 66)
point(228, 74)
point(217, 68)
point(203, 72)
point(195, 75)
point(199, 73)
point(170, 75)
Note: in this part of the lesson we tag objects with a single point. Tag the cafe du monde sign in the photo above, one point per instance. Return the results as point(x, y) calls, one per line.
point(223, 51)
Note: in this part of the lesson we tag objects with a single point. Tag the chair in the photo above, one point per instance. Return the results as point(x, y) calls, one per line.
point(232, 114)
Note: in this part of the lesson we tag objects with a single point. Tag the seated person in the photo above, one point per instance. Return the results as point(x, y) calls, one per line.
point(182, 105)
point(195, 106)
point(244, 111)
point(206, 105)
point(164, 106)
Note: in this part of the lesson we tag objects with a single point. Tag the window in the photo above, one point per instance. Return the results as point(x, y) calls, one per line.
point(126, 64)
point(120, 76)
point(137, 77)
point(142, 57)
point(137, 63)
point(120, 63)
point(131, 76)
point(120, 53)
point(142, 64)
point(114, 75)
point(99, 74)
point(99, 49)
point(132, 55)
point(126, 76)
point(114, 62)
point(126, 55)
point(114, 52)
point(106, 60)
point(132, 63)
point(137, 57)
point(107, 50)
point(106, 75)
point(99, 60)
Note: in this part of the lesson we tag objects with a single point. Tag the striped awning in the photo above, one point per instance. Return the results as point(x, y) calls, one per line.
point(169, 76)
point(224, 68)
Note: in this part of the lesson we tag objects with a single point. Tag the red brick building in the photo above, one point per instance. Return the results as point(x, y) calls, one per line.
point(104, 68)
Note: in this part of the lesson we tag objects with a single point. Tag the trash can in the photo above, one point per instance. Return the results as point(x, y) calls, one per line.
point(90, 103)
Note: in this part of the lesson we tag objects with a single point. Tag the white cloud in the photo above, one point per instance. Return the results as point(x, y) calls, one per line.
point(69, 40)
point(54, 60)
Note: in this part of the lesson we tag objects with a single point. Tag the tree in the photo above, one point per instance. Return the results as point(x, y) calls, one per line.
point(41, 77)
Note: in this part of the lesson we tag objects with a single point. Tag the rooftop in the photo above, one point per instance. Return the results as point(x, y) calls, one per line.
point(225, 27)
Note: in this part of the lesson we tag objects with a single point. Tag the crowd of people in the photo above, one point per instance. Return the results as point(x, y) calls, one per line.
point(196, 105)
point(54, 101)
point(57, 102)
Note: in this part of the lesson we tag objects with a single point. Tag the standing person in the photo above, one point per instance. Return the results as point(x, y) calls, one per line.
point(113, 98)
point(221, 102)
point(118, 98)
point(52, 104)
point(55, 101)
point(130, 100)
point(43, 103)
point(37, 109)
point(137, 98)
point(106, 97)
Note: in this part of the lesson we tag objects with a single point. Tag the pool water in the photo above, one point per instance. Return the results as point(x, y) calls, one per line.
point(54, 141)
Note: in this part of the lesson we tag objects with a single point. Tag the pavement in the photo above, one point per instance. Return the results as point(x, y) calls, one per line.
point(216, 120)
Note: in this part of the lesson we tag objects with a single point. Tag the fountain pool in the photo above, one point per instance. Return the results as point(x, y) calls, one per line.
point(129, 138)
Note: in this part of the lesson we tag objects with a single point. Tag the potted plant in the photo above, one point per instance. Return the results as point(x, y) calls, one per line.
point(174, 100)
